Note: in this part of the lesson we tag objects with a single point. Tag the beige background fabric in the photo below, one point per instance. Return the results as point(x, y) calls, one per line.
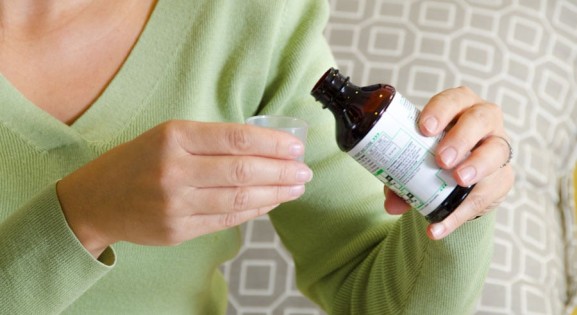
point(520, 54)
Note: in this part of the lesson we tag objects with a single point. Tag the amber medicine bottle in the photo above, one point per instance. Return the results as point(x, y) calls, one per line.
point(378, 128)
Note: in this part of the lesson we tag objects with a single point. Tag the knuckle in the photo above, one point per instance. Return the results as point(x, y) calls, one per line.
point(241, 172)
point(170, 126)
point(241, 200)
point(172, 235)
point(169, 129)
point(166, 135)
point(238, 139)
point(495, 109)
point(444, 97)
point(230, 220)
point(465, 90)
point(448, 99)
point(488, 113)
point(478, 112)
point(460, 97)
point(469, 95)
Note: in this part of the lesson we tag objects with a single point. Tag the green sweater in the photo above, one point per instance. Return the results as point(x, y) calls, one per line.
point(219, 60)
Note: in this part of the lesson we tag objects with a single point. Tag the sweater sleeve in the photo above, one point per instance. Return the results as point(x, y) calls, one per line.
point(43, 267)
point(350, 256)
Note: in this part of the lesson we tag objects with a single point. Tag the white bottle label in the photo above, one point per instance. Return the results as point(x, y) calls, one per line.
point(403, 159)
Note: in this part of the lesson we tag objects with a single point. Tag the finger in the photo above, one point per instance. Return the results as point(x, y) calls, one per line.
point(474, 124)
point(197, 225)
point(486, 195)
point(229, 171)
point(237, 139)
point(442, 108)
point(487, 158)
point(229, 200)
point(394, 204)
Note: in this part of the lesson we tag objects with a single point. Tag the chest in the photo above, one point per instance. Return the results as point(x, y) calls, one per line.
point(65, 69)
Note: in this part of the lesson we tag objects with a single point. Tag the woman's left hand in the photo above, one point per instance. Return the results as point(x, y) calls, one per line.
point(475, 149)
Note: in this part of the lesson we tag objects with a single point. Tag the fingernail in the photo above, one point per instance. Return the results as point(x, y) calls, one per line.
point(448, 156)
point(467, 174)
point(431, 124)
point(438, 230)
point(297, 149)
point(304, 175)
point(297, 191)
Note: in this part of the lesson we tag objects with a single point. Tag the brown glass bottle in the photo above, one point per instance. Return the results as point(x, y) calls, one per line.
point(389, 144)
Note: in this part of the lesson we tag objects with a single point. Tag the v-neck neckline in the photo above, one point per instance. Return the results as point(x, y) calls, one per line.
point(123, 97)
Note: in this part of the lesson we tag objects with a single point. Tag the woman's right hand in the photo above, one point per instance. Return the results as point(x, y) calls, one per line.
point(180, 180)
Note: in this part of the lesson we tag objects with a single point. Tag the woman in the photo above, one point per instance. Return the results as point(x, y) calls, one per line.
point(122, 135)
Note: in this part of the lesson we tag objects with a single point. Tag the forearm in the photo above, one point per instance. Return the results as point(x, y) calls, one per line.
point(43, 267)
point(407, 273)
point(352, 258)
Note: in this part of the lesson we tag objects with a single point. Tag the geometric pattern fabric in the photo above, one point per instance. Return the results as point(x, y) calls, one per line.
point(521, 55)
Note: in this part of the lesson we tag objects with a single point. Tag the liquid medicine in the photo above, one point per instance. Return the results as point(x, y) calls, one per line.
point(377, 127)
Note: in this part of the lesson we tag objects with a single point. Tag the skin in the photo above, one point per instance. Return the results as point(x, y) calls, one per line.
point(172, 185)
point(189, 185)
point(72, 49)
point(473, 148)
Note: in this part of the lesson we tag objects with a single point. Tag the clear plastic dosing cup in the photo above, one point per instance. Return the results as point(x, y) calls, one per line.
point(292, 125)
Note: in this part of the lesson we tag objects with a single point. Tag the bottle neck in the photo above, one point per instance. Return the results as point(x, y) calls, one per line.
point(356, 109)
point(343, 98)
point(330, 90)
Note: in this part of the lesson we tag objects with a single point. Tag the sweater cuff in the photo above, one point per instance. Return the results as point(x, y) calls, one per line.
point(41, 254)
point(47, 218)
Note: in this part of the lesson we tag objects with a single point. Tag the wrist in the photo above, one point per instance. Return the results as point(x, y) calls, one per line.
point(78, 219)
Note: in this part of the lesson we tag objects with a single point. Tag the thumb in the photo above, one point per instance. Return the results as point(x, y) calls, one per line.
point(395, 204)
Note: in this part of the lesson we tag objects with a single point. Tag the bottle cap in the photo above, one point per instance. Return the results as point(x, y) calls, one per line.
point(329, 87)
